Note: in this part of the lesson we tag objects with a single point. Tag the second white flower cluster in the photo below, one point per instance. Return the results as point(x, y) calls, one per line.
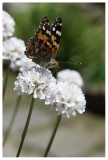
point(64, 97)
point(13, 47)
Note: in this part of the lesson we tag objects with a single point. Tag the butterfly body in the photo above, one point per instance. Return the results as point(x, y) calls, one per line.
point(42, 48)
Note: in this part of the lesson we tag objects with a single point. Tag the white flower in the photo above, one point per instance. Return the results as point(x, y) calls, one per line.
point(22, 64)
point(37, 81)
point(68, 99)
point(65, 98)
point(8, 24)
point(71, 76)
point(13, 49)
point(26, 63)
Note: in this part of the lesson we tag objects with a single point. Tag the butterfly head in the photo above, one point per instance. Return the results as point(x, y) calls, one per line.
point(52, 64)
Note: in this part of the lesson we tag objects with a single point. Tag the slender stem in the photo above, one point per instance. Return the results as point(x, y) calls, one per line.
point(25, 128)
point(52, 137)
point(6, 80)
point(12, 119)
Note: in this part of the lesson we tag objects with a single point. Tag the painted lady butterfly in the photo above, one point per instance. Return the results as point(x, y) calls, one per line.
point(42, 48)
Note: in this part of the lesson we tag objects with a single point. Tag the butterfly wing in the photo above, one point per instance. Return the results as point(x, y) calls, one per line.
point(44, 34)
point(56, 35)
point(39, 47)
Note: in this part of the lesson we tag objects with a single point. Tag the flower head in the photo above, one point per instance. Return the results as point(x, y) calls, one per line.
point(8, 24)
point(22, 64)
point(68, 99)
point(65, 98)
point(37, 81)
point(13, 49)
point(70, 76)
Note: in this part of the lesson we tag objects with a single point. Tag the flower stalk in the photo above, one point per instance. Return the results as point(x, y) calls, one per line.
point(6, 79)
point(52, 137)
point(25, 128)
point(12, 119)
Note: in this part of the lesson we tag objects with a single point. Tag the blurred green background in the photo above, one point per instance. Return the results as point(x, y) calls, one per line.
point(82, 40)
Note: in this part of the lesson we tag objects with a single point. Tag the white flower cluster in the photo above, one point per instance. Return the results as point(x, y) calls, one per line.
point(65, 98)
point(37, 81)
point(70, 76)
point(13, 48)
point(69, 99)
point(8, 24)
point(22, 64)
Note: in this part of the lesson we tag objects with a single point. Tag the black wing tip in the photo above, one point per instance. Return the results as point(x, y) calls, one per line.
point(44, 17)
point(44, 20)
point(59, 18)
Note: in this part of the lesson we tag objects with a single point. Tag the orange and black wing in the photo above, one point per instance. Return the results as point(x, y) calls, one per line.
point(39, 47)
point(56, 35)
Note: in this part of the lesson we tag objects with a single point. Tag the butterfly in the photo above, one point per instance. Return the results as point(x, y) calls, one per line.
point(43, 47)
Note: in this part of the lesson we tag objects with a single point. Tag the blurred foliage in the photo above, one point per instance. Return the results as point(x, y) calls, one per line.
point(83, 35)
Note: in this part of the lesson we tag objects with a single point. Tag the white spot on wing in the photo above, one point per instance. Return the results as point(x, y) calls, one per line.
point(43, 28)
point(53, 29)
point(48, 32)
point(58, 32)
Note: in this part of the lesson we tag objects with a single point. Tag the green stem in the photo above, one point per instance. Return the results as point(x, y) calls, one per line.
point(12, 119)
point(52, 137)
point(6, 80)
point(25, 128)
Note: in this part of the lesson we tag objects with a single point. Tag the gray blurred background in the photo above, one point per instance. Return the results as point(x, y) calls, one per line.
point(83, 40)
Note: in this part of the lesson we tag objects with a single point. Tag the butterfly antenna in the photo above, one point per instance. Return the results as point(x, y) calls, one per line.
point(71, 62)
